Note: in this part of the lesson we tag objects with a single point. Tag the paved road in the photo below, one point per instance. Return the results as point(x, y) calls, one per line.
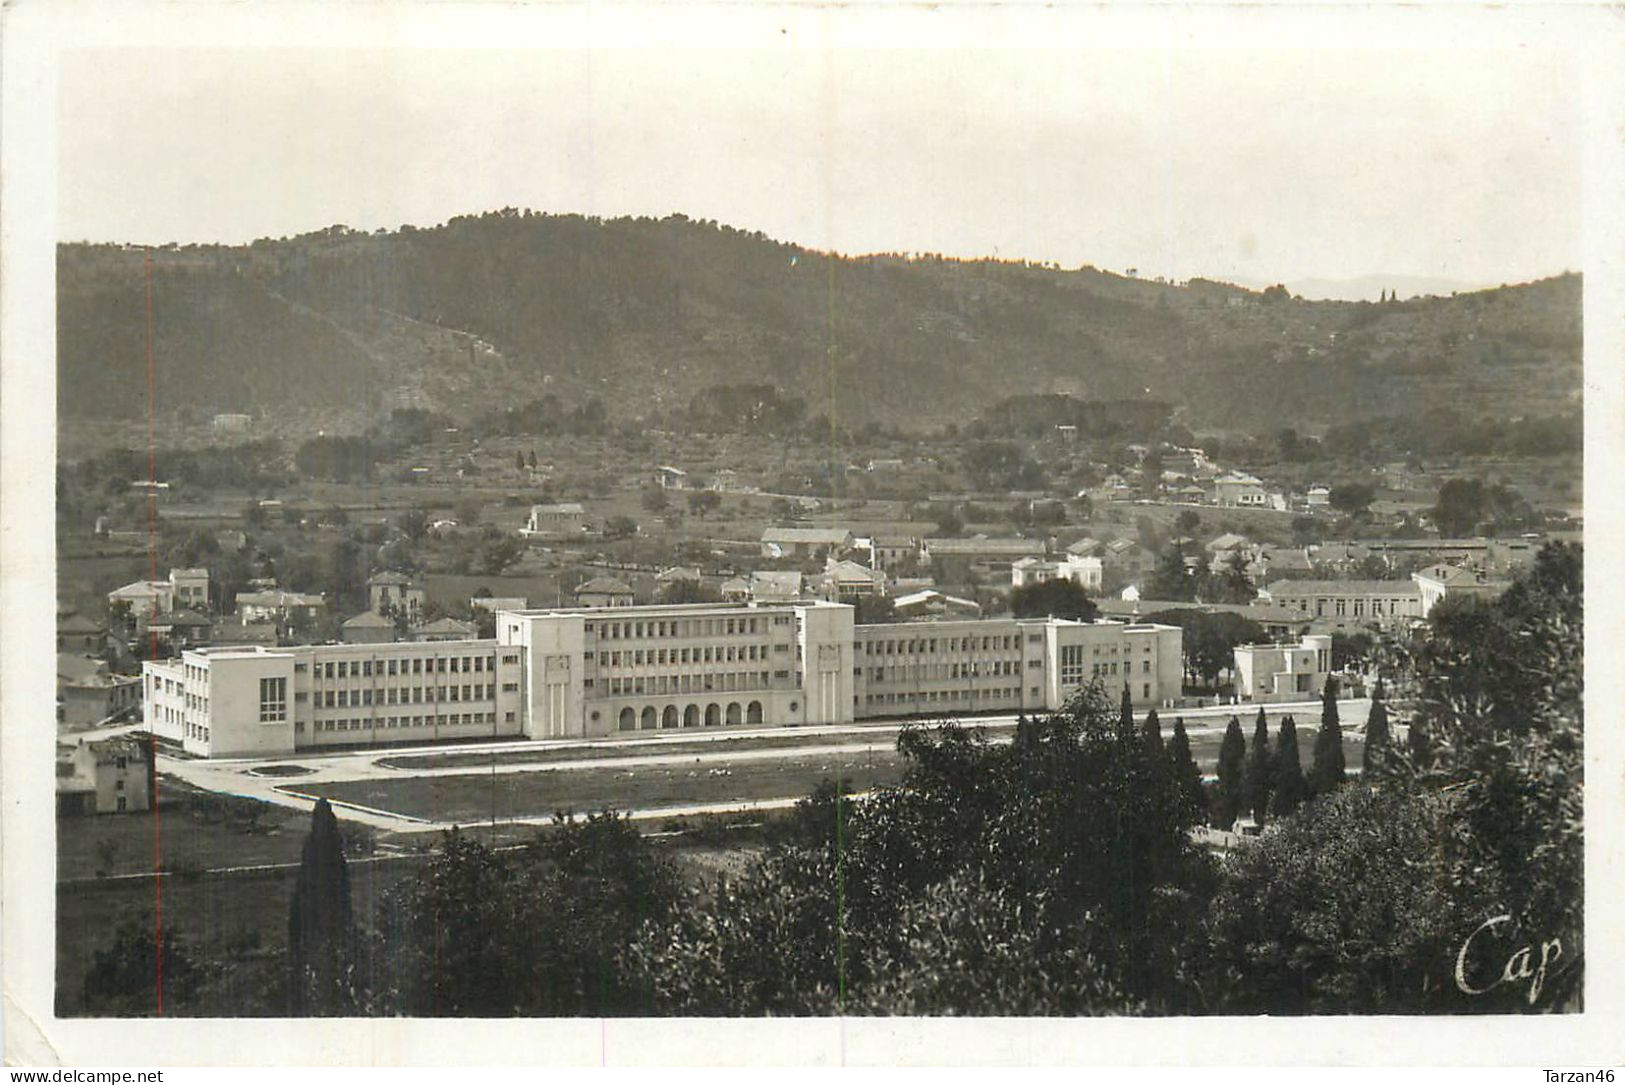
point(237, 776)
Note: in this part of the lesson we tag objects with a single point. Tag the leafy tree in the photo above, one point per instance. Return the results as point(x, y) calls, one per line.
point(965, 944)
point(500, 554)
point(1352, 649)
point(655, 500)
point(1232, 793)
point(703, 502)
point(684, 590)
point(620, 527)
point(1187, 521)
point(1291, 790)
point(1499, 722)
point(1353, 498)
point(874, 610)
point(538, 932)
point(1234, 584)
point(125, 978)
point(1260, 770)
point(1060, 598)
point(519, 461)
point(320, 926)
point(1328, 770)
point(1055, 832)
point(1172, 580)
point(1341, 910)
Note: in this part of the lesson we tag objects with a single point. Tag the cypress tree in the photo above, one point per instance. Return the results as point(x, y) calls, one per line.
point(1260, 771)
point(1232, 770)
point(1290, 788)
point(1151, 737)
point(1125, 719)
point(319, 921)
point(1328, 770)
point(1187, 777)
point(1376, 734)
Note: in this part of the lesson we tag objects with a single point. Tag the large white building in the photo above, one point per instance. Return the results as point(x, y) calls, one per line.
point(574, 673)
point(1283, 672)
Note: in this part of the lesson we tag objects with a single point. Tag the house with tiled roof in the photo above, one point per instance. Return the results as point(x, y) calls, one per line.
point(1349, 604)
point(603, 591)
point(802, 542)
point(1440, 581)
point(368, 627)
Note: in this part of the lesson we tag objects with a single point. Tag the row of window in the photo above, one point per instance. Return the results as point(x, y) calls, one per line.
point(365, 668)
point(683, 627)
point(686, 683)
point(926, 672)
point(1340, 607)
point(455, 719)
point(360, 698)
point(945, 696)
point(717, 653)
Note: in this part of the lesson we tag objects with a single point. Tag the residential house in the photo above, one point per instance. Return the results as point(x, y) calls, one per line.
point(1279, 563)
point(443, 629)
point(390, 593)
point(1086, 547)
point(77, 633)
point(279, 606)
point(736, 590)
point(561, 520)
point(933, 605)
point(1267, 673)
point(677, 573)
point(805, 542)
point(1228, 543)
point(89, 695)
point(368, 627)
point(775, 586)
point(104, 776)
point(1318, 497)
point(191, 588)
point(1441, 581)
point(890, 551)
point(671, 478)
point(1126, 561)
point(847, 581)
point(145, 598)
point(227, 632)
point(1239, 489)
point(181, 628)
point(603, 591)
point(1086, 572)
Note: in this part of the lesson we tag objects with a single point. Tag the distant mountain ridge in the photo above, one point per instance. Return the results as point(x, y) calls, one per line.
point(340, 326)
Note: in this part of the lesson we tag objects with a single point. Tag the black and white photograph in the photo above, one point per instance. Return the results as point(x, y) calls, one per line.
point(800, 513)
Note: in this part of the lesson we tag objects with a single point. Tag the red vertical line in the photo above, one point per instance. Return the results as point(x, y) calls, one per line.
point(152, 645)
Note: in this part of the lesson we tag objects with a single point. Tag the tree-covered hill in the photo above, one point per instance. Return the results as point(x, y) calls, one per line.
point(340, 326)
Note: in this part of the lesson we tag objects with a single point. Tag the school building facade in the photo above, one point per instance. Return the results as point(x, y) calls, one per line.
point(584, 673)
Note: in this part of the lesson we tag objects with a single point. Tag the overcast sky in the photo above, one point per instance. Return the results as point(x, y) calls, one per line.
point(1263, 166)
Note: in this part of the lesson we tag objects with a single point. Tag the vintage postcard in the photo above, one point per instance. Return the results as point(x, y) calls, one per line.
point(563, 522)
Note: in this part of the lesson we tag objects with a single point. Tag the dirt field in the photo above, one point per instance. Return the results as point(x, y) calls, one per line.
point(473, 799)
